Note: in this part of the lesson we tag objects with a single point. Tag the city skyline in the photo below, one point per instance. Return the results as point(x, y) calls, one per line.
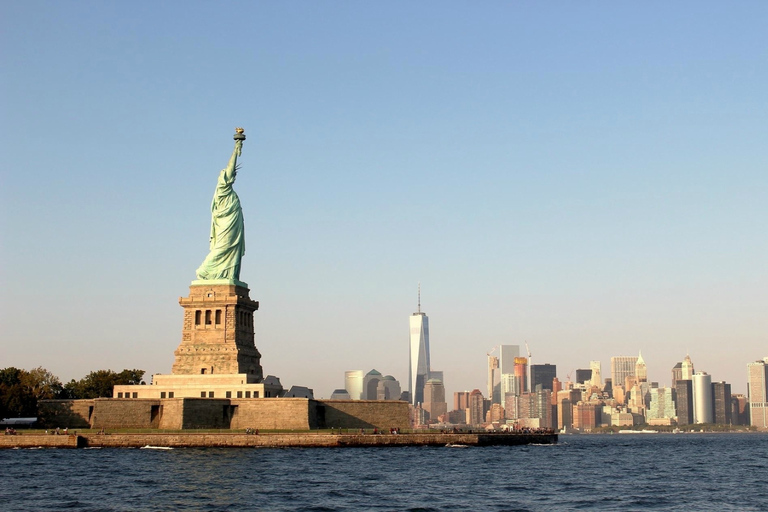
point(588, 179)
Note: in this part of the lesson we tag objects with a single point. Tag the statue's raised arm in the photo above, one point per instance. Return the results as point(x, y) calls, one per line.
point(227, 245)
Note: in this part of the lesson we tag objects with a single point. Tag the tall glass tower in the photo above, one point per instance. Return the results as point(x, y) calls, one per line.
point(418, 368)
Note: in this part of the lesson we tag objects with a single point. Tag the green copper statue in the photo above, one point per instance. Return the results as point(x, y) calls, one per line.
point(227, 228)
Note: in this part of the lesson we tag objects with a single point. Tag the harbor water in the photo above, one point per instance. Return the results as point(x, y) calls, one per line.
point(588, 472)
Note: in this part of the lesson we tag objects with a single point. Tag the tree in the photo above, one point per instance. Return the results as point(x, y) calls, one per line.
point(20, 390)
point(100, 383)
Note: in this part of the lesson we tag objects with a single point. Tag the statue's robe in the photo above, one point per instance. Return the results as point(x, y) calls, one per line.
point(227, 231)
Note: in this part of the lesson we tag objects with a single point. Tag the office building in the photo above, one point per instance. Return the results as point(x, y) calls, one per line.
point(521, 374)
point(460, 400)
point(739, 409)
point(641, 370)
point(353, 383)
point(388, 388)
point(543, 375)
point(418, 368)
point(662, 407)
point(597, 379)
point(586, 416)
point(476, 408)
point(757, 392)
point(687, 368)
point(621, 368)
point(494, 379)
point(583, 376)
point(434, 399)
point(721, 403)
point(677, 374)
point(702, 398)
point(508, 354)
point(684, 402)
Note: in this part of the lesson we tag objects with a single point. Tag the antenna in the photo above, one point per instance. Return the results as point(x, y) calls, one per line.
point(419, 297)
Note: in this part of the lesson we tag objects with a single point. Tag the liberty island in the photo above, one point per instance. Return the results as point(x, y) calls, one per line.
point(217, 380)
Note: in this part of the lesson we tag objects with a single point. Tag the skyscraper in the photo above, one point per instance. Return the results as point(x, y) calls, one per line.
point(662, 405)
point(702, 398)
point(507, 364)
point(687, 368)
point(543, 374)
point(596, 377)
point(721, 403)
point(434, 399)
point(494, 379)
point(757, 390)
point(684, 402)
point(621, 368)
point(418, 368)
point(353, 383)
point(677, 374)
point(641, 370)
point(583, 376)
point(475, 412)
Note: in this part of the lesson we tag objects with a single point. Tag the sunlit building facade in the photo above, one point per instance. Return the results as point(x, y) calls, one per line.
point(757, 388)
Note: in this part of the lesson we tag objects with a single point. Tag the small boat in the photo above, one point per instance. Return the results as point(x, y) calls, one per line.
point(150, 447)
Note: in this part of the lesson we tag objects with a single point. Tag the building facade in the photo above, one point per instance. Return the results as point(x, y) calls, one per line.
point(621, 368)
point(757, 388)
point(721, 403)
point(684, 402)
point(702, 398)
point(543, 375)
point(418, 367)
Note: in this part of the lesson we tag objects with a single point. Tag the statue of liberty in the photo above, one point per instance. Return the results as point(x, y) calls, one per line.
point(227, 228)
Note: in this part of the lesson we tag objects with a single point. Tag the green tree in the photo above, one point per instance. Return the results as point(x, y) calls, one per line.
point(100, 383)
point(20, 390)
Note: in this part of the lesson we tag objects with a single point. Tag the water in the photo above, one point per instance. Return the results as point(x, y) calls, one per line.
point(620, 472)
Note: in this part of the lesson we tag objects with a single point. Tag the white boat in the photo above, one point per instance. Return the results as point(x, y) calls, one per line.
point(150, 447)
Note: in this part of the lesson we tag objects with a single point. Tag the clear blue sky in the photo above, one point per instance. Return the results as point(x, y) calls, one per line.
point(586, 176)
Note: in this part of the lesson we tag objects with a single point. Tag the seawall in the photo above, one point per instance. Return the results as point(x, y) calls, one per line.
point(269, 440)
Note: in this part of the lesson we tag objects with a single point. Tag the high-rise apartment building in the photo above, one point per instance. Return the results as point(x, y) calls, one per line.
point(621, 368)
point(721, 403)
point(543, 375)
point(702, 398)
point(418, 368)
point(757, 392)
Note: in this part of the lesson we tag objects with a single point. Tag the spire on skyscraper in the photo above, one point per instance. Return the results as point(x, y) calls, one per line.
point(419, 301)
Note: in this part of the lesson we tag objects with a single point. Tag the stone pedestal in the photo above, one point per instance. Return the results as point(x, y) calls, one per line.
point(217, 336)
